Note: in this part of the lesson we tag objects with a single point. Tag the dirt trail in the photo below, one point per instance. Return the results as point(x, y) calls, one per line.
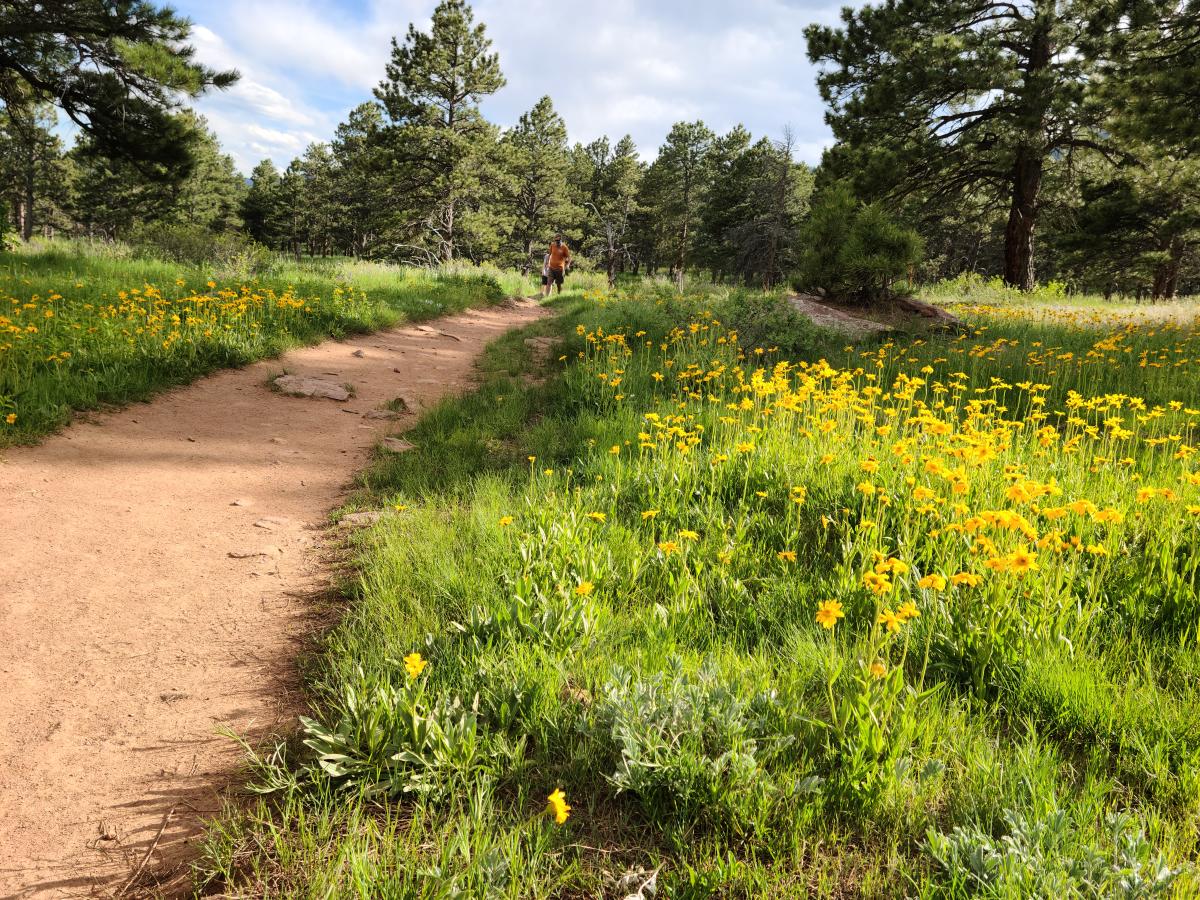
point(129, 631)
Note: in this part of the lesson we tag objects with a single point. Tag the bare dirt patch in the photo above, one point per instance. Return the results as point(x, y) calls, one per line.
point(141, 608)
point(898, 314)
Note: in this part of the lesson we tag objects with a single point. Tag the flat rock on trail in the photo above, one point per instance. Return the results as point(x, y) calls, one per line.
point(141, 609)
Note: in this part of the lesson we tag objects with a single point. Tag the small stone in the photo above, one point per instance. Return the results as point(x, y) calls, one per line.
point(353, 412)
point(172, 696)
point(361, 519)
point(242, 501)
point(245, 554)
point(107, 831)
point(358, 353)
point(397, 445)
point(300, 386)
point(380, 414)
point(270, 523)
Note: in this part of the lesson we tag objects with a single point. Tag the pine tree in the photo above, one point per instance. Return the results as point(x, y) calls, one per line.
point(262, 206)
point(440, 141)
point(537, 196)
point(677, 183)
point(854, 250)
point(116, 68)
point(774, 191)
point(31, 166)
point(211, 196)
point(607, 179)
point(322, 212)
point(1136, 228)
point(957, 96)
point(726, 198)
point(360, 178)
point(1152, 69)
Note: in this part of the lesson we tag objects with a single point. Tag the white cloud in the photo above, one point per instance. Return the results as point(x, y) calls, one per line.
point(611, 67)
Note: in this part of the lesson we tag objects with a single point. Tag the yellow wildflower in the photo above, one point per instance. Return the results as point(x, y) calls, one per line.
point(828, 613)
point(890, 620)
point(556, 805)
point(414, 665)
point(877, 583)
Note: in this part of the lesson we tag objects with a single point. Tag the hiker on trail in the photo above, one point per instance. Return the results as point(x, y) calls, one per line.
point(558, 260)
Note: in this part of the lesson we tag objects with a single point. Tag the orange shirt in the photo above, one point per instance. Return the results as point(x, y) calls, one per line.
point(560, 255)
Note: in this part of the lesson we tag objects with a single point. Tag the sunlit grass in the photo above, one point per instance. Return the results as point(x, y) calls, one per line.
point(81, 327)
point(915, 618)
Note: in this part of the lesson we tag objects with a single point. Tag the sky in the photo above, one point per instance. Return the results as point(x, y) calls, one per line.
point(612, 67)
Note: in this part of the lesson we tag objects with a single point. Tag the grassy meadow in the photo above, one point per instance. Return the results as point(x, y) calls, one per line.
point(710, 604)
point(87, 326)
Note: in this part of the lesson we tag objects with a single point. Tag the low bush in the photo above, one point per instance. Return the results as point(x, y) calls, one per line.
point(1049, 857)
point(854, 251)
point(227, 254)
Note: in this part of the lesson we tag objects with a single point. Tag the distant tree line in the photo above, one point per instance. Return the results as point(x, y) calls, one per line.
point(418, 174)
point(1032, 139)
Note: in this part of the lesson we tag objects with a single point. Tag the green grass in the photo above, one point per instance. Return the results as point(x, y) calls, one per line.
point(83, 327)
point(1037, 735)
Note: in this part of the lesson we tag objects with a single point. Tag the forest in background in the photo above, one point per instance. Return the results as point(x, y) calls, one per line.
point(963, 130)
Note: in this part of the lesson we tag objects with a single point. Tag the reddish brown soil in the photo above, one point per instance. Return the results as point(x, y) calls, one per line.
point(129, 633)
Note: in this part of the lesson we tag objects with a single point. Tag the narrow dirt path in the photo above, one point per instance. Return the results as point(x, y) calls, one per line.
point(135, 617)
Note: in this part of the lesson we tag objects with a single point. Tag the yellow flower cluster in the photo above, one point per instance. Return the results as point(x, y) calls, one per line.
point(46, 332)
point(935, 465)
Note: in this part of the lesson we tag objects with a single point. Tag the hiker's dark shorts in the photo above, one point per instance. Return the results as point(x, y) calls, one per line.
point(556, 277)
point(545, 280)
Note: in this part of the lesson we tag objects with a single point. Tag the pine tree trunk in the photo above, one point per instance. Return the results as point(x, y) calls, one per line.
point(28, 196)
point(1027, 168)
point(1018, 235)
point(1166, 279)
point(1166, 273)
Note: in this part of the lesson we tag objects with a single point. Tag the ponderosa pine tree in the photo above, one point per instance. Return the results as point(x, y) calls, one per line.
point(31, 166)
point(726, 194)
point(676, 186)
point(951, 96)
point(537, 158)
point(441, 144)
point(210, 197)
point(762, 234)
point(360, 178)
point(608, 179)
point(1137, 227)
point(262, 205)
point(114, 195)
point(116, 68)
point(1152, 69)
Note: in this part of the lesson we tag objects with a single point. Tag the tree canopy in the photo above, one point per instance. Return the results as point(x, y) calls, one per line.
point(116, 68)
point(958, 96)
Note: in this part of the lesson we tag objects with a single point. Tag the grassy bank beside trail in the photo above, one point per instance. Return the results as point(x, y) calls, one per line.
point(82, 327)
point(912, 618)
